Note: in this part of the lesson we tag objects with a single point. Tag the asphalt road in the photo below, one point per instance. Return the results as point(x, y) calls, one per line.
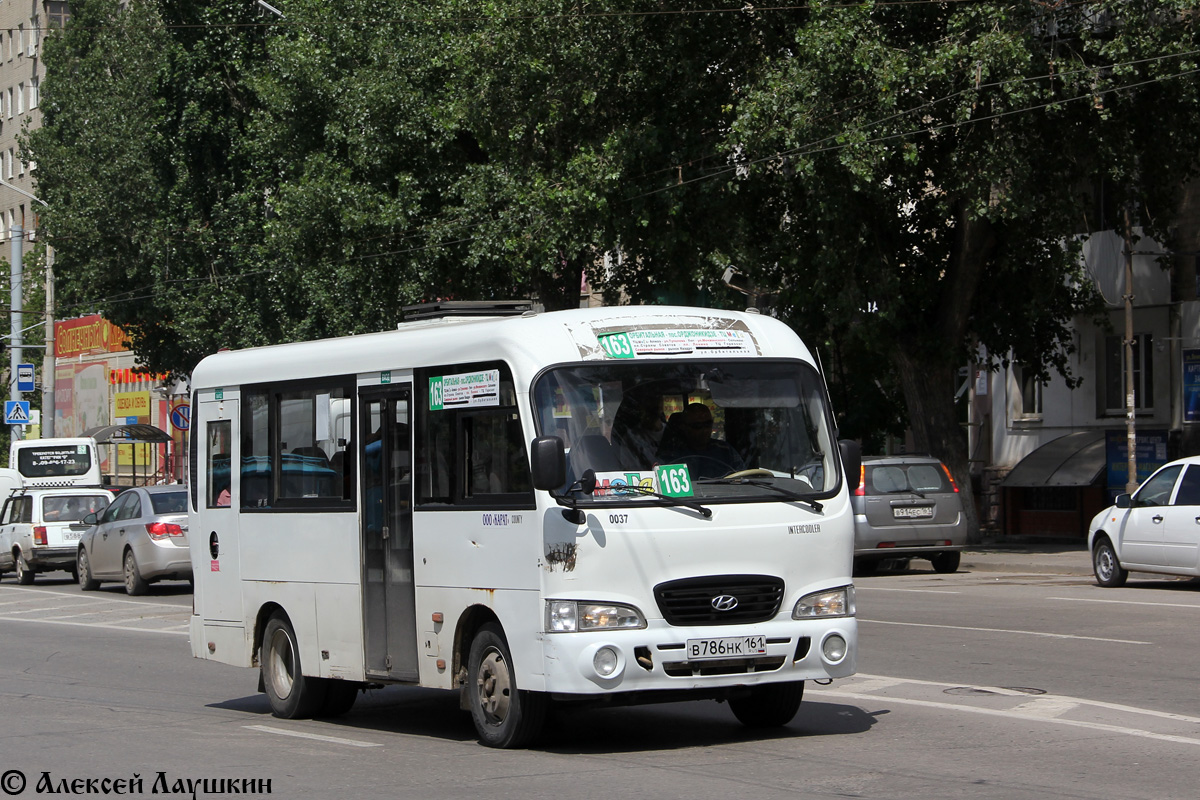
point(979, 684)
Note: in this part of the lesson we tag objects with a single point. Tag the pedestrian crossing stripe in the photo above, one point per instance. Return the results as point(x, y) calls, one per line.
point(16, 412)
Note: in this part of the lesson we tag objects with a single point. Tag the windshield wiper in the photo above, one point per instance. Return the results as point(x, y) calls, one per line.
point(788, 493)
point(587, 485)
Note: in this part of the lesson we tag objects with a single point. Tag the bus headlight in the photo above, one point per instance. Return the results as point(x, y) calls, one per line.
point(830, 603)
point(570, 616)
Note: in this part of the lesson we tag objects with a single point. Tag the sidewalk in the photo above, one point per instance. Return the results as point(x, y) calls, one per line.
point(1066, 558)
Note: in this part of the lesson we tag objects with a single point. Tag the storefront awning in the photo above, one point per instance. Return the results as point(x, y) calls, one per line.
point(120, 434)
point(1077, 459)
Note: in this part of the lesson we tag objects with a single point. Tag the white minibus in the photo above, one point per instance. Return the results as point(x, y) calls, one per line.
point(609, 505)
point(64, 461)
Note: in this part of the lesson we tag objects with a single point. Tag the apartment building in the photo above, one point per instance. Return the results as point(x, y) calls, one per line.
point(23, 28)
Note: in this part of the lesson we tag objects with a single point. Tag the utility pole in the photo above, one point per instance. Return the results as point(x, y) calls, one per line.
point(48, 372)
point(1131, 482)
point(16, 340)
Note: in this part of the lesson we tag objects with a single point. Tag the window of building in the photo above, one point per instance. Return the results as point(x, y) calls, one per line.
point(1114, 373)
point(20, 38)
point(1030, 391)
point(9, 104)
point(34, 92)
point(34, 33)
point(20, 98)
point(57, 14)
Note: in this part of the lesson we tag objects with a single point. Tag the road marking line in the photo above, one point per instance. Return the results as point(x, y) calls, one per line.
point(98, 598)
point(93, 625)
point(861, 588)
point(1125, 602)
point(40, 609)
point(1005, 630)
point(875, 684)
point(1081, 701)
point(1095, 726)
point(1046, 707)
point(318, 737)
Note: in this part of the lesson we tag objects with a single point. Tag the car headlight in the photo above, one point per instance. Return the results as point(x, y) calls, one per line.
point(830, 603)
point(569, 616)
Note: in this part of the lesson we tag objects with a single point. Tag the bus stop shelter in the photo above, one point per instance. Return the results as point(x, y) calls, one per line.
point(133, 434)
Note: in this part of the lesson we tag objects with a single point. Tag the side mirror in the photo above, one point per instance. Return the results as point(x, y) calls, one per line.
point(1124, 501)
point(90, 519)
point(851, 462)
point(548, 462)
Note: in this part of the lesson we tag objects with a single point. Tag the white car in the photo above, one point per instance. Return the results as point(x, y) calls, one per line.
point(1157, 529)
point(40, 529)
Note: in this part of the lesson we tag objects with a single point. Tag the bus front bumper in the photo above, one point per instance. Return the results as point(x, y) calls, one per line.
point(665, 658)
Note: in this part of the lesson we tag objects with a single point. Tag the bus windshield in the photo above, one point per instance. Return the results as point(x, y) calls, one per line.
point(746, 430)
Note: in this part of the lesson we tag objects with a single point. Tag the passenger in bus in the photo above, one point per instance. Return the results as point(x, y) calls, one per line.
point(704, 456)
point(637, 429)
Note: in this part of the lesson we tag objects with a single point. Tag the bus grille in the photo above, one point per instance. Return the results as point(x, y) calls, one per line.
point(695, 601)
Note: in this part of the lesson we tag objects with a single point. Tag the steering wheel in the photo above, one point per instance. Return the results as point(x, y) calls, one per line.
point(754, 472)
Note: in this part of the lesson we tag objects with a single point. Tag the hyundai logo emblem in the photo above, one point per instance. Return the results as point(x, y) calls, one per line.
point(724, 602)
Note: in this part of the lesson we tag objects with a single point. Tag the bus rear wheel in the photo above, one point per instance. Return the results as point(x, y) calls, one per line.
point(770, 705)
point(292, 694)
point(504, 715)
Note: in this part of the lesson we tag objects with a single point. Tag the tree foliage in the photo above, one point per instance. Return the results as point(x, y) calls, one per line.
point(907, 178)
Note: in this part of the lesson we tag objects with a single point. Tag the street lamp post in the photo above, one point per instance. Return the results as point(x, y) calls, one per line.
point(17, 305)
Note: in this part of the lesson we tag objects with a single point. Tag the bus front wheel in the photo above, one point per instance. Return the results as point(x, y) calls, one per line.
point(292, 694)
point(769, 705)
point(504, 715)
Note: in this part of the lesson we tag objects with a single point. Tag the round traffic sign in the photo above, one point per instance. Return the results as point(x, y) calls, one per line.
point(181, 416)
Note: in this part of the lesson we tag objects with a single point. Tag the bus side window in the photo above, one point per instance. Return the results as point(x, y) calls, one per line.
point(219, 469)
point(497, 461)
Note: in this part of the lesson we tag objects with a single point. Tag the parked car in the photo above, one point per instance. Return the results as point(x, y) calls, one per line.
point(140, 539)
point(907, 507)
point(40, 529)
point(1156, 529)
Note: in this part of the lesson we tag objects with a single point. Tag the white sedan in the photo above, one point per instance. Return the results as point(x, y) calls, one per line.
point(1157, 529)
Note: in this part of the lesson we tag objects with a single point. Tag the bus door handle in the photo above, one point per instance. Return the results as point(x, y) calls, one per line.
point(1157, 518)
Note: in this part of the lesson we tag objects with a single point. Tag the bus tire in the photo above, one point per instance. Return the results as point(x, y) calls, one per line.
point(504, 716)
point(291, 693)
point(339, 697)
point(769, 705)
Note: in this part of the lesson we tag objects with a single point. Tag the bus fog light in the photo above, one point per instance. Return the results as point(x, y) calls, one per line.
point(605, 661)
point(834, 648)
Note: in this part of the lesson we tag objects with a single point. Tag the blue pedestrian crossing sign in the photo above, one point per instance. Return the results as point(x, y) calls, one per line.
point(16, 412)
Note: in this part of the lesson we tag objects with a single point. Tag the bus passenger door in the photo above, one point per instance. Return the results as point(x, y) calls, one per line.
point(389, 613)
point(214, 540)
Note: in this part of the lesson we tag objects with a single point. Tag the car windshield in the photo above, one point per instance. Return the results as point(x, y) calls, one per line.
point(744, 430)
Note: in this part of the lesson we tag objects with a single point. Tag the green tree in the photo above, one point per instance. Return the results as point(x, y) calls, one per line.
point(922, 170)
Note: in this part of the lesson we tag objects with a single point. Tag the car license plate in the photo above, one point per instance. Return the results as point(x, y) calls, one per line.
point(726, 647)
point(912, 512)
point(72, 536)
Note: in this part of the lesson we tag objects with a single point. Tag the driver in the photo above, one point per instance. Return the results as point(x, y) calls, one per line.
point(705, 456)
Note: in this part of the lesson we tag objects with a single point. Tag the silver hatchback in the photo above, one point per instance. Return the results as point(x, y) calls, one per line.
point(140, 539)
point(907, 507)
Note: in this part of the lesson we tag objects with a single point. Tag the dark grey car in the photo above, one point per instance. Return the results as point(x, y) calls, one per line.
point(907, 507)
point(140, 539)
